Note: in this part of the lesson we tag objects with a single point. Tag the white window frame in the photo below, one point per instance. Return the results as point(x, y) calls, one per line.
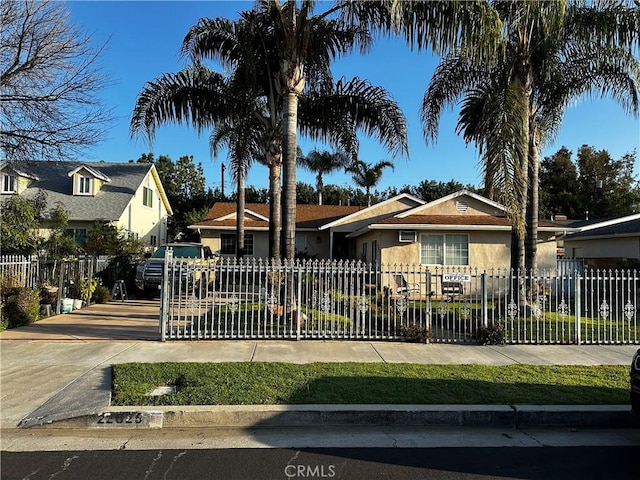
point(248, 243)
point(9, 183)
point(85, 185)
point(407, 236)
point(147, 197)
point(445, 249)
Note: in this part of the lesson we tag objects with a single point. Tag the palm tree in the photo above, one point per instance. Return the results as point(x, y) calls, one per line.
point(244, 110)
point(322, 163)
point(368, 176)
point(554, 52)
point(306, 43)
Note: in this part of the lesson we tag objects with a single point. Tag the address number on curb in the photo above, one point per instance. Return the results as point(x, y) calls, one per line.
point(126, 419)
point(119, 418)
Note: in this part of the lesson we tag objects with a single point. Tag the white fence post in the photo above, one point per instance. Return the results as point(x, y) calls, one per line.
point(578, 295)
point(485, 307)
point(165, 292)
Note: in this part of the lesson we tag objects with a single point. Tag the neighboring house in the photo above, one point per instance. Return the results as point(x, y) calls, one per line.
point(128, 195)
point(610, 243)
point(461, 229)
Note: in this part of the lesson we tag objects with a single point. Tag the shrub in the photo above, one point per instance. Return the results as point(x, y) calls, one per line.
point(22, 308)
point(101, 294)
point(415, 333)
point(493, 334)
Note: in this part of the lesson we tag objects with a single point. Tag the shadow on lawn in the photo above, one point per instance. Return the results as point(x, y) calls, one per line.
point(395, 390)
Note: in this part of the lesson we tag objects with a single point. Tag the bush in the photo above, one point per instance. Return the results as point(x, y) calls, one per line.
point(493, 334)
point(415, 333)
point(101, 294)
point(22, 308)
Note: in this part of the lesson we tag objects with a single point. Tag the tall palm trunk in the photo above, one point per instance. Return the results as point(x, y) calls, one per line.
point(531, 260)
point(289, 148)
point(275, 208)
point(240, 203)
point(320, 187)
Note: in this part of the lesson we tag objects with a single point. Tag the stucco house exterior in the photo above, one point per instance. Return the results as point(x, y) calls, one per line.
point(610, 243)
point(128, 195)
point(460, 230)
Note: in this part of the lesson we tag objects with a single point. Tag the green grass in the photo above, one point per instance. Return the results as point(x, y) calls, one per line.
point(368, 383)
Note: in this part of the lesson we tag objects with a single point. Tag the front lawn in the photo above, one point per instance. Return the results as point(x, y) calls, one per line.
point(368, 383)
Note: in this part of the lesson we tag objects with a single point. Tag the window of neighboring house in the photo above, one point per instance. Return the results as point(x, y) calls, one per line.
point(79, 235)
point(84, 186)
point(228, 244)
point(301, 243)
point(374, 252)
point(9, 183)
point(147, 197)
point(363, 255)
point(449, 249)
point(153, 240)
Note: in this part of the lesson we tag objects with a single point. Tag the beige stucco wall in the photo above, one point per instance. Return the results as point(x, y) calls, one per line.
point(372, 214)
point(625, 247)
point(449, 207)
point(211, 238)
point(487, 250)
point(143, 220)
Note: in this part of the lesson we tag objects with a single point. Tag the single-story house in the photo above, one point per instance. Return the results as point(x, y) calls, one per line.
point(461, 229)
point(609, 243)
point(128, 195)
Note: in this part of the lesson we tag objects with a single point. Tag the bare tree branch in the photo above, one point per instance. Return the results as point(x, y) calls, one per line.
point(49, 80)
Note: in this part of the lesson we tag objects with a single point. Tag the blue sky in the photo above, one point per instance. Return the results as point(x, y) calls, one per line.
point(143, 41)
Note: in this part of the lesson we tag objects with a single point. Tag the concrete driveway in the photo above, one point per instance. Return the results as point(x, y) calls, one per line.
point(127, 320)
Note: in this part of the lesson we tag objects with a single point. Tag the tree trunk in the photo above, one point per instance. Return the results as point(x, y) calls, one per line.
point(289, 146)
point(240, 206)
point(275, 210)
point(531, 260)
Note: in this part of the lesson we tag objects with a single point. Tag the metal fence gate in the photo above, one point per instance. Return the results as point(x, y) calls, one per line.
point(257, 299)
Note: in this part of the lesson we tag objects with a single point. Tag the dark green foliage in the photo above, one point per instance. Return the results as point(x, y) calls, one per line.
point(22, 308)
point(101, 294)
point(493, 334)
point(593, 184)
point(415, 333)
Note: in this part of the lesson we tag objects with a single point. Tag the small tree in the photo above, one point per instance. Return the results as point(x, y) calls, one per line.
point(19, 225)
point(50, 80)
point(59, 243)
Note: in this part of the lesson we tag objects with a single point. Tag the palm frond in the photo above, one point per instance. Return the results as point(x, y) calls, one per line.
point(193, 96)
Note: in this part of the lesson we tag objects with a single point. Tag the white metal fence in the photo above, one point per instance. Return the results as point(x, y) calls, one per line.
point(258, 299)
point(34, 272)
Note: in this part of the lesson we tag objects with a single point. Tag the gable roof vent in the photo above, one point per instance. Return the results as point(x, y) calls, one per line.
point(462, 206)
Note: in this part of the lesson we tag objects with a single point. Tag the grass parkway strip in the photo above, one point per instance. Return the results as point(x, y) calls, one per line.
point(368, 383)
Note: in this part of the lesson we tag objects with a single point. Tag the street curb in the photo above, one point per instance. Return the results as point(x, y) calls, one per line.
point(283, 416)
point(613, 416)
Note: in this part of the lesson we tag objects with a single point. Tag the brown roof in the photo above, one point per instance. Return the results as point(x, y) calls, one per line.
point(307, 216)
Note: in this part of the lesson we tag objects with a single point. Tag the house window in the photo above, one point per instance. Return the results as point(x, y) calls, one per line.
point(153, 240)
point(84, 187)
point(301, 243)
point(374, 252)
point(147, 197)
point(228, 244)
point(363, 255)
point(8, 183)
point(450, 249)
point(79, 235)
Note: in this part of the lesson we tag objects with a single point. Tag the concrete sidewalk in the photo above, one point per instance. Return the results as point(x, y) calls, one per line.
point(57, 373)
